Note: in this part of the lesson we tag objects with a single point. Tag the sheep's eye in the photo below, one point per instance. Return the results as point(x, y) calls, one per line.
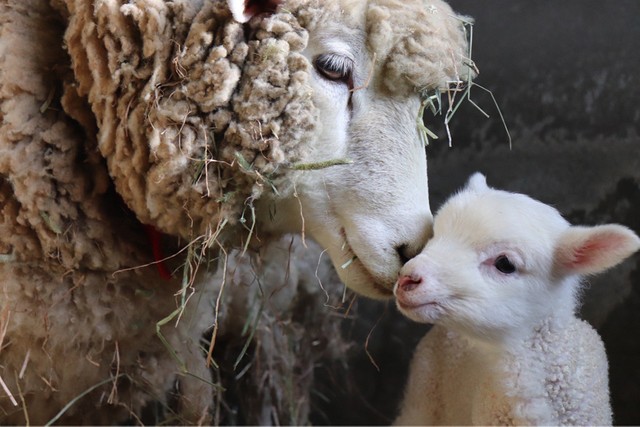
point(504, 265)
point(334, 67)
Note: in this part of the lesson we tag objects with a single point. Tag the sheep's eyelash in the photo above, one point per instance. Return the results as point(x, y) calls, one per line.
point(338, 62)
point(331, 62)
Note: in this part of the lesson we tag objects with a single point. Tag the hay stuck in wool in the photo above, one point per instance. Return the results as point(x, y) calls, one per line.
point(464, 82)
point(269, 354)
point(122, 117)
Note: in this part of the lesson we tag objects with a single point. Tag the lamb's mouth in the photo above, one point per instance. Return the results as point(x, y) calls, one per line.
point(417, 306)
point(428, 312)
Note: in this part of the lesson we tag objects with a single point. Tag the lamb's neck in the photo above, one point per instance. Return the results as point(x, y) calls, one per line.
point(513, 341)
point(546, 320)
point(548, 327)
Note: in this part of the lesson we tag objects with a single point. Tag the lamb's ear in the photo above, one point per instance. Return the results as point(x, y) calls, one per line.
point(477, 182)
point(243, 10)
point(590, 250)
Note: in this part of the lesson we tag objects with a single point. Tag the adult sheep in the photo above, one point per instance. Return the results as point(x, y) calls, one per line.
point(120, 118)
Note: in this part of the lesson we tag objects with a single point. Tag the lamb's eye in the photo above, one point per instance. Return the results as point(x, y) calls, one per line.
point(504, 265)
point(334, 67)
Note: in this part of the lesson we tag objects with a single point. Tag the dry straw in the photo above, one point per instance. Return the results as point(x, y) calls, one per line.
point(432, 99)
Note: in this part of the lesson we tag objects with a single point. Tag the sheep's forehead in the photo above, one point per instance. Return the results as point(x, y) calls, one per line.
point(419, 44)
point(493, 215)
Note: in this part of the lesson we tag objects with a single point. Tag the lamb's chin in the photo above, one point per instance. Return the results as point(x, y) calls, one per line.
point(428, 312)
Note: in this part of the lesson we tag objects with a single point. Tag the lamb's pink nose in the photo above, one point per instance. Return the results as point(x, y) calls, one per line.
point(408, 283)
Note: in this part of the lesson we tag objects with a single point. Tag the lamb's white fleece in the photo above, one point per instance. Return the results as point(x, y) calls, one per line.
point(558, 375)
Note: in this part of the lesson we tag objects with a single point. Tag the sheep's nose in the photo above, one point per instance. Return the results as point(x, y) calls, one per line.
point(408, 283)
point(413, 247)
point(406, 252)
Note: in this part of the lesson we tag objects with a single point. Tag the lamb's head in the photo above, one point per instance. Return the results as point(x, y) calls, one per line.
point(500, 262)
point(370, 60)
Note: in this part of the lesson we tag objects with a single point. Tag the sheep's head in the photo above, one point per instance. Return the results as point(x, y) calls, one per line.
point(500, 262)
point(206, 121)
point(371, 60)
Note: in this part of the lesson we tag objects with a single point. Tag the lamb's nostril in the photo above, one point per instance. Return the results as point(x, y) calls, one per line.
point(408, 283)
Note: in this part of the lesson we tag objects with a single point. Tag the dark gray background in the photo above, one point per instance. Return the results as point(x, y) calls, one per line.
point(566, 76)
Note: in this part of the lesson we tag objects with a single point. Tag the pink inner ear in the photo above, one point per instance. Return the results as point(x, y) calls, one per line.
point(592, 249)
point(583, 254)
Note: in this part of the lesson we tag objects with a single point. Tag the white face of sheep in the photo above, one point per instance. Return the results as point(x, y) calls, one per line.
point(500, 262)
point(372, 214)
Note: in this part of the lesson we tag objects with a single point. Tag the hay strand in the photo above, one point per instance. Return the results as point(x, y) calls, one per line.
point(14, 402)
point(49, 222)
point(369, 75)
point(24, 364)
point(124, 270)
point(204, 380)
point(168, 346)
point(350, 306)
point(423, 131)
point(326, 293)
point(320, 165)
point(113, 396)
point(495, 102)
point(460, 85)
point(80, 396)
point(24, 403)
point(366, 343)
point(4, 325)
point(47, 103)
point(348, 263)
point(303, 227)
point(216, 323)
point(252, 332)
point(244, 164)
point(253, 225)
point(7, 258)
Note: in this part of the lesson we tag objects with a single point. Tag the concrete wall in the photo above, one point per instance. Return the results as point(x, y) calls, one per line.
point(567, 78)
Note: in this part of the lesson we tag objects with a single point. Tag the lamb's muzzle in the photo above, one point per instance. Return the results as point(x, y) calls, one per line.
point(407, 282)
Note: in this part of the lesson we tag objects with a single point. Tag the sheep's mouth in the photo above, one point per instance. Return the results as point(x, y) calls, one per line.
point(377, 285)
point(387, 293)
point(361, 270)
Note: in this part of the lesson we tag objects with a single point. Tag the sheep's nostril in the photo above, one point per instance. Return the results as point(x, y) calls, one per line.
point(408, 283)
point(405, 253)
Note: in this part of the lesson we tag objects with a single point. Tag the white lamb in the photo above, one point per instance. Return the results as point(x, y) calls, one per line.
point(500, 279)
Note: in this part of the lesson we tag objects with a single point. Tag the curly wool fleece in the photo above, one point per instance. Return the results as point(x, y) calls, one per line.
point(194, 118)
point(197, 119)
